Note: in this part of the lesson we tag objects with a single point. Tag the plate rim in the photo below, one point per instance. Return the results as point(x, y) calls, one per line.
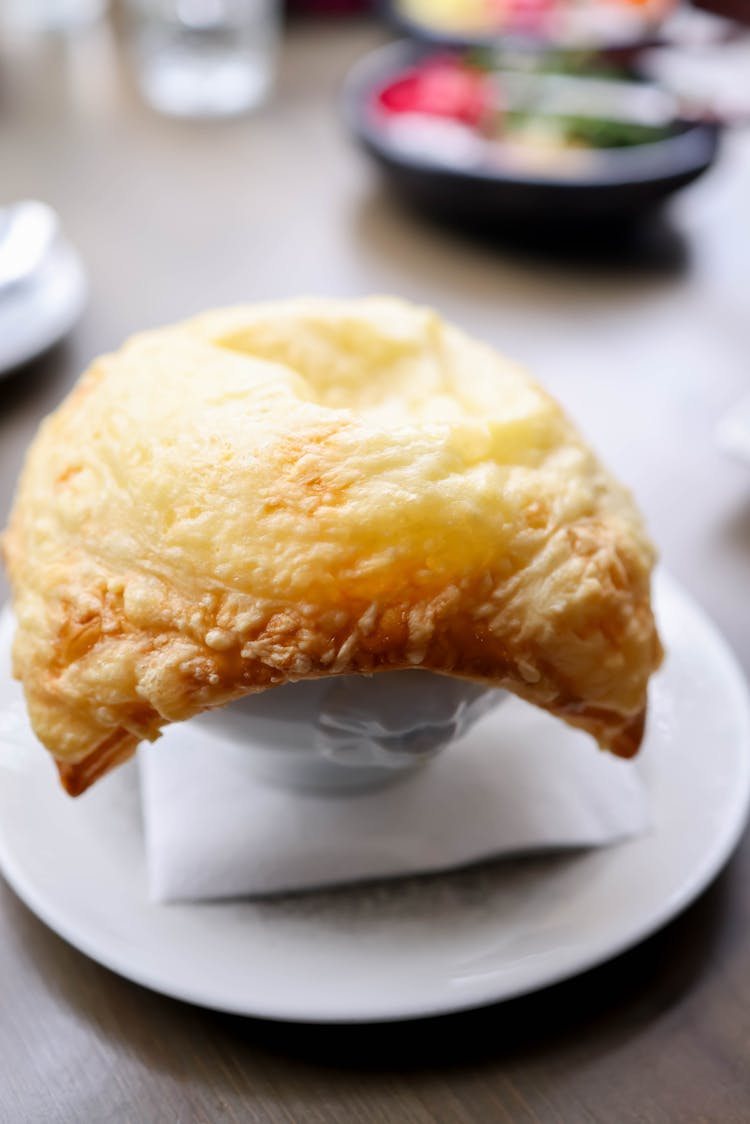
point(732, 829)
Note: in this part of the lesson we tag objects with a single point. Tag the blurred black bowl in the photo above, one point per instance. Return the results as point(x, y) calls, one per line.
point(619, 184)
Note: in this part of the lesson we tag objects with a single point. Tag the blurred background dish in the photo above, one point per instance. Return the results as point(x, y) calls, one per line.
point(43, 285)
point(27, 231)
point(566, 23)
point(549, 141)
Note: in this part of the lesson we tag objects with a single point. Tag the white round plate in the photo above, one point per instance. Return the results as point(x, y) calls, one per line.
point(420, 946)
point(37, 314)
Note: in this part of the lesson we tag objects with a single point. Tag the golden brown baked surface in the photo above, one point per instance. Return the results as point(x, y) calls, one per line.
point(307, 488)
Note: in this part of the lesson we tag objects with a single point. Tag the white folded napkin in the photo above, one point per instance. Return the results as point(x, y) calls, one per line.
point(518, 781)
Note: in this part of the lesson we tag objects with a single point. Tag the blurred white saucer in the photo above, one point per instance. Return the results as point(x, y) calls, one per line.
point(40, 311)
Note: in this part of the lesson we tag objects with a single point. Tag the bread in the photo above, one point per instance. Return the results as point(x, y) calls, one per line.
point(308, 488)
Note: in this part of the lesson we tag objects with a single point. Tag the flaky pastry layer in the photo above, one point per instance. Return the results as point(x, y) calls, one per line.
point(310, 488)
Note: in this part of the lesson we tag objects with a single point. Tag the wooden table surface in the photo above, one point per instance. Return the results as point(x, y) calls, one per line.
point(647, 351)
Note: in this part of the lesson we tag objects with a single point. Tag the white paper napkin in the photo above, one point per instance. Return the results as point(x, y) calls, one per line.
point(518, 781)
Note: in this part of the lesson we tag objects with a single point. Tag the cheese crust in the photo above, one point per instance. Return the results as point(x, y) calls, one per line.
point(310, 488)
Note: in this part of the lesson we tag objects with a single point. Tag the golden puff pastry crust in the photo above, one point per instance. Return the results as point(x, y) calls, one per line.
point(309, 488)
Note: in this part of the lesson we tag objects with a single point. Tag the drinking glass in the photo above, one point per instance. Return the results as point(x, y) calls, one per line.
point(204, 58)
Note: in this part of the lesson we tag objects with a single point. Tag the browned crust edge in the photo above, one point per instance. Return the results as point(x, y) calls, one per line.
point(77, 776)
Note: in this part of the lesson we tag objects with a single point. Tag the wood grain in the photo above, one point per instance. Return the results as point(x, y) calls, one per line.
point(648, 353)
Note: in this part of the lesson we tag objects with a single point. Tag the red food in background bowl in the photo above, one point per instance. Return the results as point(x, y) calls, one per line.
point(441, 87)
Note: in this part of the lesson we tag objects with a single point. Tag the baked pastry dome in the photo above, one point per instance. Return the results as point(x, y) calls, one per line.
point(310, 488)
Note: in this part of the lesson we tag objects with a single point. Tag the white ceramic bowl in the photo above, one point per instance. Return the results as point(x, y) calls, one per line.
point(352, 732)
